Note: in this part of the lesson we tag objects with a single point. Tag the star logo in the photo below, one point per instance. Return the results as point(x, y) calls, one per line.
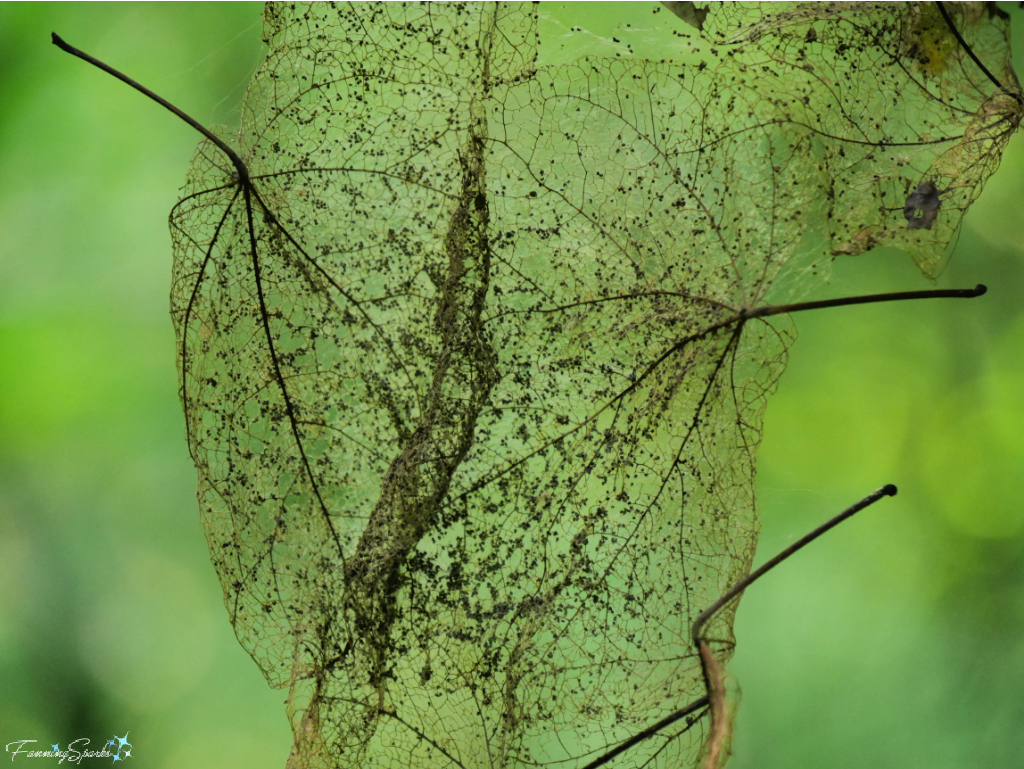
point(118, 744)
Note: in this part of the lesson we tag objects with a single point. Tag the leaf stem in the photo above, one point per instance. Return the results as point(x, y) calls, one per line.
point(713, 678)
point(648, 732)
point(889, 490)
point(243, 171)
point(970, 51)
point(768, 310)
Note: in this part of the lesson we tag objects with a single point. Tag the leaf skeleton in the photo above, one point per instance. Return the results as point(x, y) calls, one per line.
point(474, 342)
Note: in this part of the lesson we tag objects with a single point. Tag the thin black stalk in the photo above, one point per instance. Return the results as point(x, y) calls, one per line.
point(648, 732)
point(768, 310)
point(889, 490)
point(243, 172)
point(970, 51)
point(714, 681)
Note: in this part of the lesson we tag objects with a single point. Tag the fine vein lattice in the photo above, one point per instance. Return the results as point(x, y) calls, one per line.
point(467, 364)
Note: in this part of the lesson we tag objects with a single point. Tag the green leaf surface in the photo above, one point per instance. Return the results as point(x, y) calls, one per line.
point(465, 361)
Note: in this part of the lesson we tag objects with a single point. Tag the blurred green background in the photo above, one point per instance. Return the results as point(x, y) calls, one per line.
point(895, 641)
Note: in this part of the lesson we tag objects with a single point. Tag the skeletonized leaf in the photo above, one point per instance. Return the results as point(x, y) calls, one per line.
point(464, 365)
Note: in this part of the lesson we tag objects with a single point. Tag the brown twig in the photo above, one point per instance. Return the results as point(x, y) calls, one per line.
point(721, 728)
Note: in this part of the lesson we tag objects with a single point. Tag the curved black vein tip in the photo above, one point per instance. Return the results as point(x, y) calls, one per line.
point(889, 489)
point(979, 289)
